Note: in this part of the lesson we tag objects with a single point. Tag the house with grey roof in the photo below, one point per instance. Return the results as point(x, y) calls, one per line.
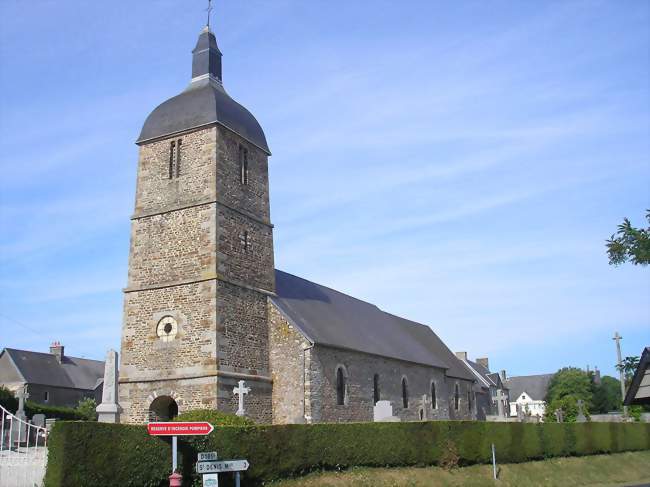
point(492, 396)
point(333, 357)
point(528, 392)
point(52, 378)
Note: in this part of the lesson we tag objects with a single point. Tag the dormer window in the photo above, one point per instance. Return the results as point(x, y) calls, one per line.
point(243, 165)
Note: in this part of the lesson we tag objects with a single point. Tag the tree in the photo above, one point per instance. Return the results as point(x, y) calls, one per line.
point(607, 395)
point(628, 366)
point(567, 386)
point(86, 407)
point(630, 244)
point(8, 400)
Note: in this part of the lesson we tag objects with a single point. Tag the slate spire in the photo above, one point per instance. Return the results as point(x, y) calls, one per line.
point(206, 57)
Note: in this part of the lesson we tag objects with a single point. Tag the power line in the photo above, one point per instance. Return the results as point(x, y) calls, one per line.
point(22, 325)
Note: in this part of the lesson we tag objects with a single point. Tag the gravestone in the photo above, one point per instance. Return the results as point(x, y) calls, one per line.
point(19, 419)
point(109, 410)
point(559, 415)
point(581, 418)
point(521, 416)
point(383, 411)
point(38, 420)
point(500, 396)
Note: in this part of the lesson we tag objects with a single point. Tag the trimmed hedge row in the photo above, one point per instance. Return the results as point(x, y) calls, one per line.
point(58, 412)
point(104, 454)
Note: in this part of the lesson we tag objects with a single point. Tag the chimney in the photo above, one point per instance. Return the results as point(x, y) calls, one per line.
point(461, 355)
point(56, 349)
point(503, 376)
point(483, 362)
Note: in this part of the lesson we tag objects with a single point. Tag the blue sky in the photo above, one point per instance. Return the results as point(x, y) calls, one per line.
point(457, 163)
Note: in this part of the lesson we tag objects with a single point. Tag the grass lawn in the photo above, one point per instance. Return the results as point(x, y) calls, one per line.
point(619, 469)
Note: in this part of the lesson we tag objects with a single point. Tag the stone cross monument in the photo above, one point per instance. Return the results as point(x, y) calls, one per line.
point(109, 409)
point(240, 390)
point(500, 396)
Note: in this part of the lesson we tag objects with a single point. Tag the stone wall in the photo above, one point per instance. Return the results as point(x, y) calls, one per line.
point(201, 253)
point(196, 181)
point(287, 360)
point(290, 352)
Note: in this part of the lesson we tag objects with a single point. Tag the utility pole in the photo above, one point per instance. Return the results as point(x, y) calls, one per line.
point(617, 338)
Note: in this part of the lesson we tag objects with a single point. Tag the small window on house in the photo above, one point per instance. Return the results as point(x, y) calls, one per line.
point(175, 158)
point(434, 403)
point(376, 394)
point(340, 387)
point(456, 397)
point(46, 397)
point(243, 165)
point(405, 393)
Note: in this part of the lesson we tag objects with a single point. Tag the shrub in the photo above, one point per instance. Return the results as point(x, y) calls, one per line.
point(84, 453)
point(86, 408)
point(58, 412)
point(8, 400)
point(216, 418)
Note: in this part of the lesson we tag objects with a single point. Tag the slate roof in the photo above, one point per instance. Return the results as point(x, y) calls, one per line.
point(328, 317)
point(535, 386)
point(45, 369)
point(204, 102)
point(639, 388)
point(483, 372)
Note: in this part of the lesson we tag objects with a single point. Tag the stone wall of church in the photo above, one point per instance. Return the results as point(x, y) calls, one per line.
point(252, 198)
point(189, 394)
point(174, 246)
point(194, 349)
point(360, 369)
point(244, 250)
point(196, 180)
point(287, 349)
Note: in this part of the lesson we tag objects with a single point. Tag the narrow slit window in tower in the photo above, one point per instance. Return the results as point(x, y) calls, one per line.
point(243, 164)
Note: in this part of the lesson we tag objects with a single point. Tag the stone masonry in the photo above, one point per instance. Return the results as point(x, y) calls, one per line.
point(202, 254)
point(304, 382)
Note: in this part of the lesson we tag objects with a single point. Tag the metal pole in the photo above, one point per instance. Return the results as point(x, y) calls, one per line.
point(494, 463)
point(11, 430)
point(617, 338)
point(236, 479)
point(174, 454)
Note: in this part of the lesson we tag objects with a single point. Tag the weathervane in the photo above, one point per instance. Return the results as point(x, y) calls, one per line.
point(209, 10)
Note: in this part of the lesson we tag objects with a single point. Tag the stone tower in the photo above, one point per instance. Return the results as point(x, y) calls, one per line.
point(201, 256)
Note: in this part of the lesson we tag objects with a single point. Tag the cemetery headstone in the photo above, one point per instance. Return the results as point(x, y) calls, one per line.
point(109, 410)
point(383, 411)
point(581, 418)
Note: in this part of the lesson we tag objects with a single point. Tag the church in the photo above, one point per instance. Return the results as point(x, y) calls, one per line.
point(205, 308)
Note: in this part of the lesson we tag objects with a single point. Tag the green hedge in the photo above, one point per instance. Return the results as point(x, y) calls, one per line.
point(111, 455)
point(58, 412)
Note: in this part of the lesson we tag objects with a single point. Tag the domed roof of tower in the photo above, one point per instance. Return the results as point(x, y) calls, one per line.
point(204, 102)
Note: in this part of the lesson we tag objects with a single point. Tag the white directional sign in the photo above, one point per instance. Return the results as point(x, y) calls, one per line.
point(222, 466)
point(207, 456)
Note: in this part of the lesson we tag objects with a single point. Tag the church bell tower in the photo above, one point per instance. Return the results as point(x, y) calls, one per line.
point(201, 256)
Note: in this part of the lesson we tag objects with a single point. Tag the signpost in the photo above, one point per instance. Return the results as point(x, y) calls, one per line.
point(208, 456)
point(174, 430)
point(211, 469)
point(222, 466)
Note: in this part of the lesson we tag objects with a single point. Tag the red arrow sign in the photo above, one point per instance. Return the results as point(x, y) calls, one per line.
point(179, 429)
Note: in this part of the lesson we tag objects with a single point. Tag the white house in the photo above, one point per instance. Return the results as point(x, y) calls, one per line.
point(529, 392)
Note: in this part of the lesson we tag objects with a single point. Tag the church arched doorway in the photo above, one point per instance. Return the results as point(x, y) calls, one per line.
point(163, 408)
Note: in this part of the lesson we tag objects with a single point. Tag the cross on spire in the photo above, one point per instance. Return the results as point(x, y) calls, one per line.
point(209, 11)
